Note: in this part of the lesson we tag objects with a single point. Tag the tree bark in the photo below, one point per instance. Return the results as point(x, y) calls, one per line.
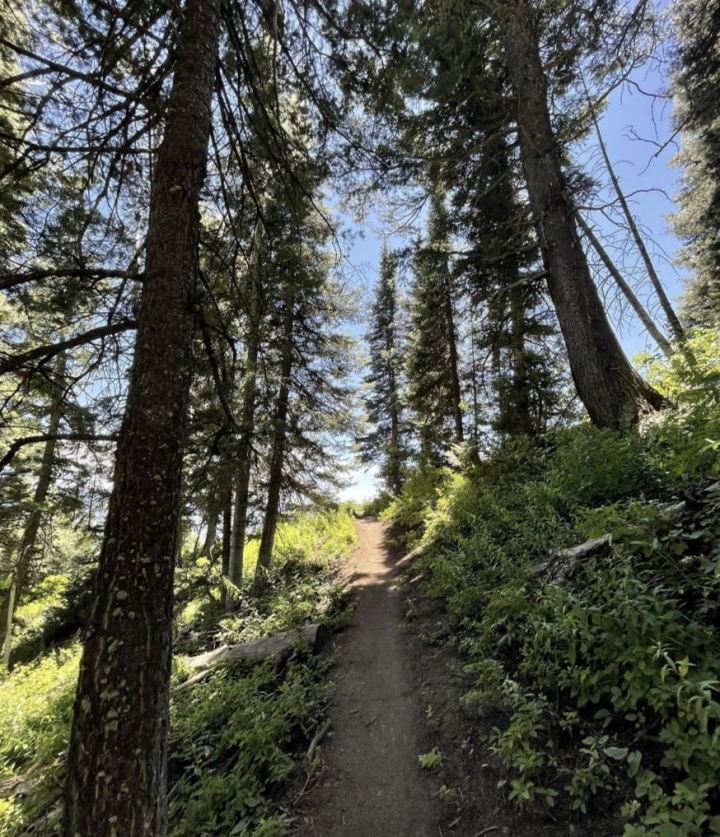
point(13, 363)
point(227, 510)
point(395, 476)
point(277, 646)
point(474, 372)
point(277, 459)
point(247, 423)
point(26, 552)
point(213, 513)
point(395, 463)
point(521, 423)
point(117, 757)
point(612, 392)
point(227, 518)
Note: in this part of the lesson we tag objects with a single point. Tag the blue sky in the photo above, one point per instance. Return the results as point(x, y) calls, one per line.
point(632, 126)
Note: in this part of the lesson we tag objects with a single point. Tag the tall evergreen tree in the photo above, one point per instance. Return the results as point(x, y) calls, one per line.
point(117, 757)
point(612, 392)
point(432, 365)
point(383, 403)
point(697, 80)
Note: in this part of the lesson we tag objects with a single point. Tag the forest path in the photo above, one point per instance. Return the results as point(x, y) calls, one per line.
point(372, 785)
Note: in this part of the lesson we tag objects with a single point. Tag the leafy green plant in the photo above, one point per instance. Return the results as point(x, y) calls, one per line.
point(431, 759)
point(607, 674)
point(446, 794)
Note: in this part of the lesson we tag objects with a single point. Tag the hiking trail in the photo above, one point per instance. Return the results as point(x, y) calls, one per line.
point(372, 783)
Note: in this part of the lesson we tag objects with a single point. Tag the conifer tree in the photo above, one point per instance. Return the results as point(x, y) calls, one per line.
point(383, 403)
point(117, 757)
point(432, 366)
point(611, 390)
point(697, 80)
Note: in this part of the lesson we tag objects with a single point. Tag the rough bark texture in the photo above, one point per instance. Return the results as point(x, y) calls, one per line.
point(28, 543)
point(117, 757)
point(612, 392)
point(277, 459)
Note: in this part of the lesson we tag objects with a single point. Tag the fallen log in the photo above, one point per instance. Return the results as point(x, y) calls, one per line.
point(278, 647)
point(561, 561)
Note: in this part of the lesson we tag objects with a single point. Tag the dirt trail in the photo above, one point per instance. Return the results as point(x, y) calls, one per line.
point(372, 785)
point(398, 694)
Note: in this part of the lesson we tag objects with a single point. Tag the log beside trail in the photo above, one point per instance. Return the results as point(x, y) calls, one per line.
point(277, 646)
point(561, 563)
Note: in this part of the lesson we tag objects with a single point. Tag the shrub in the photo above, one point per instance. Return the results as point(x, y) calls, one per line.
point(608, 677)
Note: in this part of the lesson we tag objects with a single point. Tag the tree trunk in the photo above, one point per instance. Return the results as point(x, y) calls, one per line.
point(213, 513)
point(26, 551)
point(247, 424)
point(521, 421)
point(455, 391)
point(665, 303)
point(315, 637)
point(395, 476)
point(117, 755)
point(637, 306)
point(395, 463)
point(227, 518)
point(277, 459)
point(612, 392)
point(227, 510)
point(474, 373)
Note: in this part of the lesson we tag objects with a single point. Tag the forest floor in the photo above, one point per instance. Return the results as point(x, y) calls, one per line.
point(397, 695)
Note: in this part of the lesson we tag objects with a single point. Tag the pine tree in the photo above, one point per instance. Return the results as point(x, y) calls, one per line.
point(116, 761)
point(697, 80)
point(612, 392)
point(383, 404)
point(307, 356)
point(432, 366)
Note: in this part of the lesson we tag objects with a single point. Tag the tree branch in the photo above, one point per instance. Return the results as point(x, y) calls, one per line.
point(12, 280)
point(11, 363)
point(46, 437)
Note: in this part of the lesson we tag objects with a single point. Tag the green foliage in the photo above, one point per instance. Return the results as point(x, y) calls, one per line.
point(409, 508)
point(446, 794)
point(300, 588)
point(606, 676)
point(429, 760)
point(233, 737)
point(231, 745)
point(383, 441)
point(35, 710)
point(376, 506)
point(35, 713)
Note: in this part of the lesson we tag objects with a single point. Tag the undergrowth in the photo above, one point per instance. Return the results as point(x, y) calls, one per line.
point(233, 737)
point(606, 677)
